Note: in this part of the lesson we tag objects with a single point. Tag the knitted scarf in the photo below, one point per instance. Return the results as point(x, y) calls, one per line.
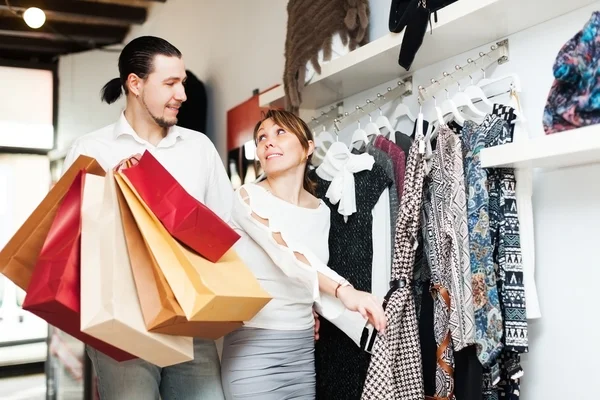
point(311, 26)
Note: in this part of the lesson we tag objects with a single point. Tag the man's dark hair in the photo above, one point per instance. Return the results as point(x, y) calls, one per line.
point(137, 57)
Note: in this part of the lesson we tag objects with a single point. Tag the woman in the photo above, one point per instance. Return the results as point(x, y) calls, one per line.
point(285, 231)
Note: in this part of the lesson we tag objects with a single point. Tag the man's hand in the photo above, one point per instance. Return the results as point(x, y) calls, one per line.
point(128, 162)
point(317, 324)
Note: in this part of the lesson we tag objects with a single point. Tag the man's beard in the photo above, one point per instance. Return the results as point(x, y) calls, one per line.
point(163, 123)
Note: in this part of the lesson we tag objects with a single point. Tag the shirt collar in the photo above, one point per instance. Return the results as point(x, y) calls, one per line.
point(122, 127)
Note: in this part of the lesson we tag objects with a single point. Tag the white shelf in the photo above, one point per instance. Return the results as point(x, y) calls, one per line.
point(462, 26)
point(564, 149)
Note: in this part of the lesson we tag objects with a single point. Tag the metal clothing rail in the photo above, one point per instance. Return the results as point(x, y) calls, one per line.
point(498, 53)
point(403, 88)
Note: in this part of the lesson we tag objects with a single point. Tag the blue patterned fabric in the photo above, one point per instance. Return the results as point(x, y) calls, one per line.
point(574, 98)
point(488, 314)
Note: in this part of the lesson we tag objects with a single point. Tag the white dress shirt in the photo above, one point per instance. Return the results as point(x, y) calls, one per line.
point(188, 155)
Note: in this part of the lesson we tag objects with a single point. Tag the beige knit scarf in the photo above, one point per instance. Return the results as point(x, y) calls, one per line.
point(311, 27)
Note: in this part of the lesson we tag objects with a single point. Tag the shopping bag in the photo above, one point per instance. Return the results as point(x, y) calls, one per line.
point(18, 258)
point(54, 290)
point(184, 217)
point(206, 291)
point(160, 309)
point(110, 309)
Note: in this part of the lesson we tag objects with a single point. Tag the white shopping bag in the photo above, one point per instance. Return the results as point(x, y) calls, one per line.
point(110, 308)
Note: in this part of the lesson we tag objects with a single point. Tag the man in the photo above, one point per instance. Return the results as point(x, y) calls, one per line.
point(152, 77)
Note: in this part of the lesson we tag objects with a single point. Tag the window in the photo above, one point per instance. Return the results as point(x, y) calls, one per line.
point(26, 115)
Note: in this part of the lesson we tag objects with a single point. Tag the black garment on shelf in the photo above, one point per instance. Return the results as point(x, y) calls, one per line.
point(414, 15)
point(341, 365)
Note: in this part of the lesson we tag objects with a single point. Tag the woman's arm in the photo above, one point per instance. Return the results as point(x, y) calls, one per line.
point(251, 213)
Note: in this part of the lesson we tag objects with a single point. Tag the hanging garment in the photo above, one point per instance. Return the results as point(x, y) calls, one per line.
point(413, 15)
point(524, 177)
point(395, 370)
point(574, 98)
point(385, 161)
point(384, 214)
point(488, 315)
point(339, 167)
point(311, 26)
point(447, 235)
point(341, 365)
point(398, 158)
point(504, 230)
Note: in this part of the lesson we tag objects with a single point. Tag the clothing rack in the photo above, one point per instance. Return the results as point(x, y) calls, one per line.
point(403, 88)
point(326, 118)
point(498, 53)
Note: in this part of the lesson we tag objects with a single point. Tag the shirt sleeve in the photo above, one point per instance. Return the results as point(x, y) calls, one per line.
point(253, 212)
point(219, 192)
point(75, 151)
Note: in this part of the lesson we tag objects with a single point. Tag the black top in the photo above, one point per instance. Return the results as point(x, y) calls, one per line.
point(341, 365)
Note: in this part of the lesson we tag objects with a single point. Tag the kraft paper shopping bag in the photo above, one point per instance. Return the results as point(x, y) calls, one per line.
point(184, 217)
point(162, 313)
point(222, 291)
point(110, 309)
point(54, 290)
point(18, 258)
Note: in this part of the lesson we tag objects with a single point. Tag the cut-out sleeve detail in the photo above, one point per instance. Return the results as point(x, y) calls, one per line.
point(254, 212)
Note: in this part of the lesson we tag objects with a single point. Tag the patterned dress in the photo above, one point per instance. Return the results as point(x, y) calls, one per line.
point(446, 234)
point(395, 372)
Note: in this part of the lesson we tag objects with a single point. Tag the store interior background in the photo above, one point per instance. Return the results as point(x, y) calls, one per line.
point(237, 46)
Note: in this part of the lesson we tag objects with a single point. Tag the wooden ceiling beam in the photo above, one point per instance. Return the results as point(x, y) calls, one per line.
point(34, 45)
point(91, 12)
point(84, 34)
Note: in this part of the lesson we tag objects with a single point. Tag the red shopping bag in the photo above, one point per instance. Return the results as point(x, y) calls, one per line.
point(53, 293)
point(184, 217)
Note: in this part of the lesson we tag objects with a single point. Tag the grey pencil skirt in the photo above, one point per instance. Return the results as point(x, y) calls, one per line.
point(268, 364)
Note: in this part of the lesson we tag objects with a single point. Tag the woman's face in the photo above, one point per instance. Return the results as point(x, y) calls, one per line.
point(278, 149)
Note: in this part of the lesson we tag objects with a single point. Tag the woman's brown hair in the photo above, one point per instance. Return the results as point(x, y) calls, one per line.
point(298, 127)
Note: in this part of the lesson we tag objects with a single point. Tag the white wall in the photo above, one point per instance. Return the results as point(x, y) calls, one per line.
point(235, 46)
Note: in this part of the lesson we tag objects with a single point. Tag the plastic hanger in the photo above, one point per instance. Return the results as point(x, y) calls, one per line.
point(461, 99)
point(372, 128)
point(402, 110)
point(514, 87)
point(323, 141)
point(360, 135)
point(449, 107)
point(383, 122)
point(475, 92)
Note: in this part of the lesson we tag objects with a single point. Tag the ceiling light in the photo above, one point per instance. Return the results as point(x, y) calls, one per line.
point(34, 17)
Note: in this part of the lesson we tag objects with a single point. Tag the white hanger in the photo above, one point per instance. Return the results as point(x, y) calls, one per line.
point(461, 99)
point(402, 110)
point(475, 92)
point(516, 81)
point(372, 128)
point(383, 122)
point(515, 86)
point(449, 107)
point(360, 135)
point(323, 141)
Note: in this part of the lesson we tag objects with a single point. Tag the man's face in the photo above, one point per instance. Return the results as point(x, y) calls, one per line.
point(163, 92)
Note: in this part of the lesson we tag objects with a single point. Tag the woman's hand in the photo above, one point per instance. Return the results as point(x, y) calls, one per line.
point(366, 304)
point(317, 324)
point(133, 160)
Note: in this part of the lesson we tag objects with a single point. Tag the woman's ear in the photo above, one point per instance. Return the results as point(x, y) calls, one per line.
point(311, 148)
